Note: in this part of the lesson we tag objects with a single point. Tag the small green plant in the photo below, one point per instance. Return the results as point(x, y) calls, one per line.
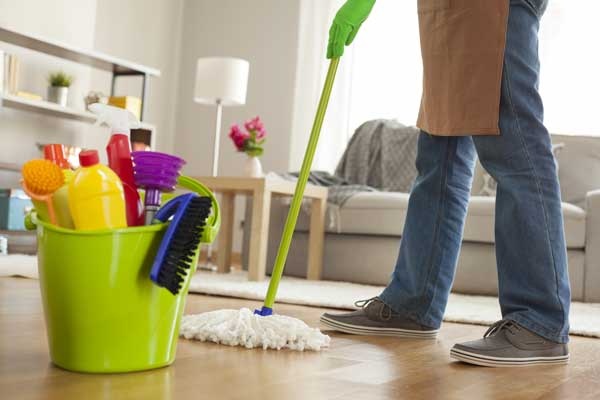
point(60, 79)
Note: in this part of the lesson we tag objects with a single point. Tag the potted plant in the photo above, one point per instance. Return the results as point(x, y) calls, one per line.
point(58, 90)
point(250, 141)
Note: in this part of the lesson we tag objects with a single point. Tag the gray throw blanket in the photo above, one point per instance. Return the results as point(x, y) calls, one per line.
point(380, 156)
point(339, 189)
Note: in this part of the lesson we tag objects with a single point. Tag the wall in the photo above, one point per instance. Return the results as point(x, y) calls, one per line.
point(147, 32)
point(264, 32)
point(70, 21)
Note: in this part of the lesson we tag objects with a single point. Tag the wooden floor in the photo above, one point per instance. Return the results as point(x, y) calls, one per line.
point(354, 368)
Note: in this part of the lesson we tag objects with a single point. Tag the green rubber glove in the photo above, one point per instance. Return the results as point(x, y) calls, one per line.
point(346, 24)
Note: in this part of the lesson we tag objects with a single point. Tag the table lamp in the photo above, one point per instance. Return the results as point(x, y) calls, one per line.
point(220, 81)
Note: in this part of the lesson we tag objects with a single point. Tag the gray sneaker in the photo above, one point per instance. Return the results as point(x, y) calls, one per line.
point(508, 344)
point(377, 318)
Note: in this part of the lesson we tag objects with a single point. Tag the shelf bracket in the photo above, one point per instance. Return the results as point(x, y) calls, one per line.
point(145, 87)
point(145, 91)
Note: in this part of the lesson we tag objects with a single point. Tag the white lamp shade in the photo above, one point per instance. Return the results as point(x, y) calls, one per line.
point(221, 79)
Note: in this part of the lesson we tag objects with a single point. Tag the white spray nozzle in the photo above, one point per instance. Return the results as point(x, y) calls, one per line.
point(120, 120)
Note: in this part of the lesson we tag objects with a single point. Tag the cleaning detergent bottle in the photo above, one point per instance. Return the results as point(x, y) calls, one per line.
point(55, 152)
point(119, 155)
point(96, 197)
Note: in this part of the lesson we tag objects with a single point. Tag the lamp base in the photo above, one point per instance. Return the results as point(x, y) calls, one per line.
point(208, 265)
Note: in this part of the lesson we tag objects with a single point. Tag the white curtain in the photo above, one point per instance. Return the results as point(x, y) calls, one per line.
point(315, 19)
point(387, 68)
point(380, 74)
point(570, 66)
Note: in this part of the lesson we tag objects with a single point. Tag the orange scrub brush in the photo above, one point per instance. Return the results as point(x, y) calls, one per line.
point(41, 178)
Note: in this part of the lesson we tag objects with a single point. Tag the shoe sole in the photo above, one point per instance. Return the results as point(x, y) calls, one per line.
point(372, 331)
point(488, 361)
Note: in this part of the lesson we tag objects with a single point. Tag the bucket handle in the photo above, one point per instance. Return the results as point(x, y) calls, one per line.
point(213, 222)
point(30, 221)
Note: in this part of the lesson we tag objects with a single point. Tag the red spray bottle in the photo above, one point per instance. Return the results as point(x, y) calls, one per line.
point(119, 156)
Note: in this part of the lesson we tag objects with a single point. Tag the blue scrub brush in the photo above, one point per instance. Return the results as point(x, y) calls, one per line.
point(182, 238)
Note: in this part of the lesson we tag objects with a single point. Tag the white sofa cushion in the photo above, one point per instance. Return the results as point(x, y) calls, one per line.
point(384, 213)
point(373, 213)
point(579, 171)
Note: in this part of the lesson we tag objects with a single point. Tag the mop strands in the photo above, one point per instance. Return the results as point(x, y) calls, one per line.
point(244, 328)
point(263, 328)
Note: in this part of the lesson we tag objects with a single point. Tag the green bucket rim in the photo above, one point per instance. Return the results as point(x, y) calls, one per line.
point(98, 232)
point(186, 182)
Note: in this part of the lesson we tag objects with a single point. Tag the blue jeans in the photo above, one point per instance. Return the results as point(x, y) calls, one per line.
point(530, 245)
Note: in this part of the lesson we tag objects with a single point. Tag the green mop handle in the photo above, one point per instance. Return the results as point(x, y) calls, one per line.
point(292, 217)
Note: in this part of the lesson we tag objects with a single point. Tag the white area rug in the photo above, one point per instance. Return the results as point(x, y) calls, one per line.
point(19, 265)
point(483, 310)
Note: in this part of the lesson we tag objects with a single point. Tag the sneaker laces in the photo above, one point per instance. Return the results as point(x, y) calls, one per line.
point(385, 312)
point(365, 302)
point(498, 326)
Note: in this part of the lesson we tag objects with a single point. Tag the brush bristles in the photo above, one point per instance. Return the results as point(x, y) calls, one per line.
point(183, 245)
point(42, 177)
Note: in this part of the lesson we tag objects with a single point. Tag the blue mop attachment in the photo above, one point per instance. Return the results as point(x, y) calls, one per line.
point(181, 240)
point(264, 311)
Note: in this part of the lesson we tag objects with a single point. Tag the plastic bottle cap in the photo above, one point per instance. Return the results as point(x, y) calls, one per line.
point(55, 152)
point(88, 158)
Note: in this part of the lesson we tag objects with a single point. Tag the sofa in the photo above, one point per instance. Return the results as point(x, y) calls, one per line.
point(362, 245)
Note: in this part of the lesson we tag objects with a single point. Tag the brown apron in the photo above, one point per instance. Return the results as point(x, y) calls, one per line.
point(462, 45)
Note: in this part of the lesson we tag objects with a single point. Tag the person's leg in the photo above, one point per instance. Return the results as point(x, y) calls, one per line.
point(530, 244)
point(433, 229)
point(414, 301)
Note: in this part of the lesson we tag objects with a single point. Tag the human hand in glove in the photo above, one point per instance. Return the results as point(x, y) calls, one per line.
point(346, 24)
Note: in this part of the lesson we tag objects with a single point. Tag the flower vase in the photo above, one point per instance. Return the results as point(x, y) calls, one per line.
point(253, 167)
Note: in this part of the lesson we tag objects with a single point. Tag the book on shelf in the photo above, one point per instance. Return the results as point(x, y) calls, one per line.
point(3, 71)
point(28, 95)
point(11, 71)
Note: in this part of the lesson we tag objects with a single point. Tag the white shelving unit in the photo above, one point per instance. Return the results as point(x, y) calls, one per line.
point(53, 109)
point(117, 67)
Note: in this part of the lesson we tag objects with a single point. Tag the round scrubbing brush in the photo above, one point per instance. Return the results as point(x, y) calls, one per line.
point(41, 178)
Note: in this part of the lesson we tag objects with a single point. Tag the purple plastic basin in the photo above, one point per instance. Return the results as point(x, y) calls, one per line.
point(155, 170)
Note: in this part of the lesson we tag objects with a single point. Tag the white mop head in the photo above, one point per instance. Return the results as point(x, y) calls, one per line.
point(244, 328)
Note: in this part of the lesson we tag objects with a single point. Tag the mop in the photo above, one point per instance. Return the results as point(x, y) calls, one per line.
point(263, 328)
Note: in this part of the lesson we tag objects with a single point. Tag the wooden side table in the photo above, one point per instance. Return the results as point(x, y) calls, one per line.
point(262, 189)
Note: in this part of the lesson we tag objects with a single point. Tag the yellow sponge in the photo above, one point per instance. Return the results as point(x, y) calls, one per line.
point(42, 177)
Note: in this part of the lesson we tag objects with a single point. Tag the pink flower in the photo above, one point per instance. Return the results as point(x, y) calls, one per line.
point(256, 125)
point(251, 139)
point(238, 136)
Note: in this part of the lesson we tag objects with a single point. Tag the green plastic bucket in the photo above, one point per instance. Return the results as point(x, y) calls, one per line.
point(103, 313)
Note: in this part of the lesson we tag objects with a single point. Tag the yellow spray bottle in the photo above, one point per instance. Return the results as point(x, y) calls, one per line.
point(96, 197)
